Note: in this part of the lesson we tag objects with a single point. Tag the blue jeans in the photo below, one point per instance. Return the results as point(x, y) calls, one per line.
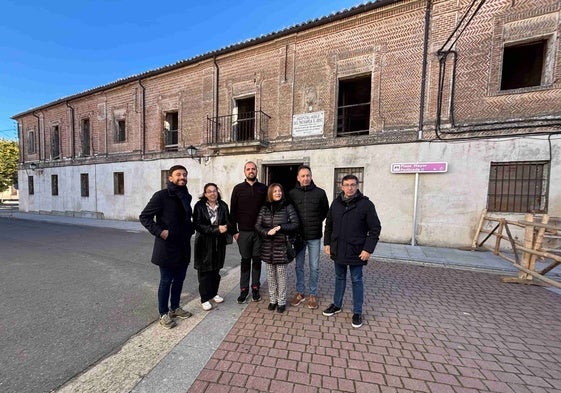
point(171, 284)
point(313, 258)
point(341, 281)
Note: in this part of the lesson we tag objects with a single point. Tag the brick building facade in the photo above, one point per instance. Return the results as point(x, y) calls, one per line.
point(471, 83)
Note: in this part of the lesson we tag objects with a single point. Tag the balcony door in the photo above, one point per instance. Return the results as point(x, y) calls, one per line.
point(243, 119)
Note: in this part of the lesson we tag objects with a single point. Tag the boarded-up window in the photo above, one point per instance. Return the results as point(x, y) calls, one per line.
point(55, 143)
point(120, 130)
point(54, 185)
point(518, 187)
point(84, 185)
point(118, 183)
point(31, 142)
point(85, 136)
point(30, 185)
point(164, 178)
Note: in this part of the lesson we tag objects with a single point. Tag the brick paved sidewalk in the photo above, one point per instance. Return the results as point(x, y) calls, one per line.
point(427, 329)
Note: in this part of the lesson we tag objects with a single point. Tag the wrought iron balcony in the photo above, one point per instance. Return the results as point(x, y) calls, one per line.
point(242, 128)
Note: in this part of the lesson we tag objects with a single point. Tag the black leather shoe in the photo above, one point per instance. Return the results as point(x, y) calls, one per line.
point(272, 306)
point(281, 309)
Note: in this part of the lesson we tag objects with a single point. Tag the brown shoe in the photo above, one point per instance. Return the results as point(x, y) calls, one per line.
point(297, 299)
point(312, 302)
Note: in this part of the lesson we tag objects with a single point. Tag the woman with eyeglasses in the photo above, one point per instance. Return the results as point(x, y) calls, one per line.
point(212, 225)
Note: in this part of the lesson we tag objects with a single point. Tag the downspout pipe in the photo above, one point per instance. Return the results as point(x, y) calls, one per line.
point(73, 140)
point(216, 93)
point(38, 136)
point(143, 127)
point(424, 69)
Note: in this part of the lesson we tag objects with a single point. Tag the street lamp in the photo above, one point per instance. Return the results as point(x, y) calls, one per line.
point(192, 150)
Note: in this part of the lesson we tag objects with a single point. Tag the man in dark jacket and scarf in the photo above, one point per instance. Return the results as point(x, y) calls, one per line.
point(172, 244)
point(352, 230)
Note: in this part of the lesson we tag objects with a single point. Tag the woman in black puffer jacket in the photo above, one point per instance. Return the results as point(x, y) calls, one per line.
point(276, 222)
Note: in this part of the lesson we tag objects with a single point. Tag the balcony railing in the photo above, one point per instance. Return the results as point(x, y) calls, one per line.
point(240, 128)
point(170, 140)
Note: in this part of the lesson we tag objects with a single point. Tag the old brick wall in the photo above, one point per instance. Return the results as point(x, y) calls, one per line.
point(299, 73)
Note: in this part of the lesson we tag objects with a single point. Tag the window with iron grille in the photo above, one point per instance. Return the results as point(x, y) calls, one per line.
point(54, 185)
point(84, 184)
point(518, 187)
point(118, 183)
point(342, 172)
point(120, 130)
point(353, 106)
point(30, 185)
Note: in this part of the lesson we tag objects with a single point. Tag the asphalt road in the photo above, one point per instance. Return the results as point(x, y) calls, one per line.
point(71, 295)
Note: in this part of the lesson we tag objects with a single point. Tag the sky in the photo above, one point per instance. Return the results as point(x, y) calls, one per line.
point(50, 49)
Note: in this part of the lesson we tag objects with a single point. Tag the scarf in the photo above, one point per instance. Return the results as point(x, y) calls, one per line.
point(183, 194)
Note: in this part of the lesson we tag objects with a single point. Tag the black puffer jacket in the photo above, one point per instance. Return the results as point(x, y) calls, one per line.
point(273, 248)
point(312, 205)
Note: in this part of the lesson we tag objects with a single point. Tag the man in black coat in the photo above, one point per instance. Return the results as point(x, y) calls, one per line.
point(172, 229)
point(312, 205)
point(352, 230)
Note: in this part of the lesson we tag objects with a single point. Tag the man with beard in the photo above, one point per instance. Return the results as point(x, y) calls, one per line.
point(246, 201)
point(172, 244)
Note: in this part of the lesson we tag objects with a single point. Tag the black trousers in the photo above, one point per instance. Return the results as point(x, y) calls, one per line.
point(208, 284)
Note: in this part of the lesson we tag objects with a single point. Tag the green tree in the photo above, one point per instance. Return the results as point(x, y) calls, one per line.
point(9, 155)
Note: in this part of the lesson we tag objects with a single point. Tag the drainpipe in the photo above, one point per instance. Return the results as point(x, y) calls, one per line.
point(216, 92)
point(38, 133)
point(424, 69)
point(143, 131)
point(22, 139)
point(72, 130)
point(106, 131)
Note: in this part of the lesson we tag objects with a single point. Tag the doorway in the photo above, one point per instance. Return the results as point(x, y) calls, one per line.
point(285, 174)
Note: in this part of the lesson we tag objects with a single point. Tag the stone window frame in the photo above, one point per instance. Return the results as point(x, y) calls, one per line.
point(519, 29)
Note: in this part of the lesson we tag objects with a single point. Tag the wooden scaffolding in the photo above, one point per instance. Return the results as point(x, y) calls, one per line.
point(523, 254)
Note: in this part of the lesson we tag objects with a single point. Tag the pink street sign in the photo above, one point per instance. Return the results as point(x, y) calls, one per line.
point(419, 167)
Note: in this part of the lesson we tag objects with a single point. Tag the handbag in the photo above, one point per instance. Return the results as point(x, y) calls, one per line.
point(290, 252)
point(229, 238)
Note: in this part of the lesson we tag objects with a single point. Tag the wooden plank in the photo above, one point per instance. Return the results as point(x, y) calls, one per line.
point(528, 244)
point(538, 276)
point(516, 280)
point(478, 229)
point(538, 242)
point(547, 227)
point(499, 237)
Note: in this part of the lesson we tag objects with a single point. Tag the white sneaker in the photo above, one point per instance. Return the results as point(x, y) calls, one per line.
point(218, 299)
point(207, 306)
